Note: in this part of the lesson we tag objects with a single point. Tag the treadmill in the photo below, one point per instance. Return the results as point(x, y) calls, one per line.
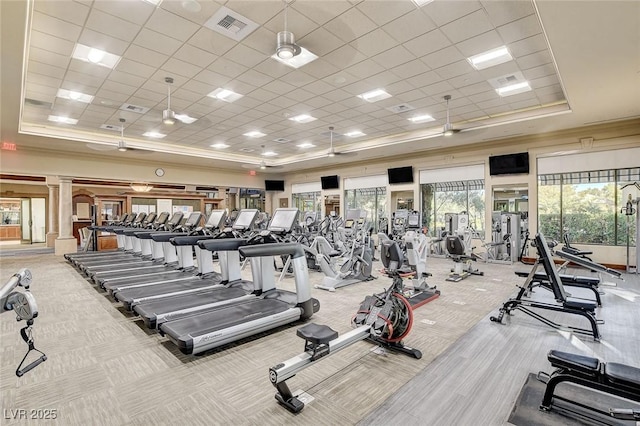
point(126, 220)
point(272, 309)
point(150, 272)
point(136, 262)
point(133, 294)
point(154, 312)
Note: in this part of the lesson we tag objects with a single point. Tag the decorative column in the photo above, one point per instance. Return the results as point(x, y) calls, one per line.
point(66, 242)
point(52, 212)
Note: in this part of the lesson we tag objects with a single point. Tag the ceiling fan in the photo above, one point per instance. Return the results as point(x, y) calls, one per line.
point(448, 129)
point(286, 45)
point(263, 164)
point(122, 144)
point(332, 152)
point(169, 116)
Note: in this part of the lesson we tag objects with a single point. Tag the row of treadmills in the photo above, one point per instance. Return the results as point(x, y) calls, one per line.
point(154, 275)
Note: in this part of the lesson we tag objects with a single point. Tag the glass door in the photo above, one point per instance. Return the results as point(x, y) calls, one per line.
point(25, 221)
point(39, 220)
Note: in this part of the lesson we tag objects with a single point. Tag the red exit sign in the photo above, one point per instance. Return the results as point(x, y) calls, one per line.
point(9, 146)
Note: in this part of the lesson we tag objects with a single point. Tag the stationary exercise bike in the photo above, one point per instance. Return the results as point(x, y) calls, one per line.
point(24, 305)
point(384, 319)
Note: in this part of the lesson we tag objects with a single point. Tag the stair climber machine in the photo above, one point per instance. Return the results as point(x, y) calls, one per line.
point(359, 259)
point(459, 249)
point(138, 261)
point(24, 305)
point(177, 303)
point(133, 293)
point(416, 247)
point(273, 308)
point(179, 264)
point(384, 319)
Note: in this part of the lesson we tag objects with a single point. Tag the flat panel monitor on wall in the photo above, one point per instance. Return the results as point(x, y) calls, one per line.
point(400, 175)
point(509, 164)
point(274, 185)
point(330, 182)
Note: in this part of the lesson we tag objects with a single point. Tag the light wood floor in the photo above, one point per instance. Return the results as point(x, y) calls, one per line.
point(104, 368)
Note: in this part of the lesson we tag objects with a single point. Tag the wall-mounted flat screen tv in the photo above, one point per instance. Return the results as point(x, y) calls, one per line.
point(274, 185)
point(330, 182)
point(509, 164)
point(400, 175)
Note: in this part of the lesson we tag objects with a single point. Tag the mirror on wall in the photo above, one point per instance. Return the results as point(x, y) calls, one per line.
point(332, 204)
point(402, 200)
point(510, 222)
point(511, 198)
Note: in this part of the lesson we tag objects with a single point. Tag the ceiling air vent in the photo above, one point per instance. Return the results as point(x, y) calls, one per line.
point(282, 140)
point(110, 127)
point(134, 108)
point(37, 103)
point(246, 150)
point(506, 80)
point(400, 108)
point(231, 24)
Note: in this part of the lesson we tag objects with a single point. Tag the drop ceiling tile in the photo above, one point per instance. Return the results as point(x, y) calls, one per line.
point(411, 69)
point(428, 104)
point(345, 56)
point(382, 12)
point(46, 57)
point(468, 79)
point(483, 96)
point(51, 43)
point(443, 12)
point(320, 42)
point(244, 55)
point(111, 25)
point(364, 109)
point(394, 57)
point(258, 11)
point(455, 69)
point(273, 68)
point(45, 69)
point(128, 79)
point(268, 108)
point(437, 89)
point(320, 68)
point(480, 43)
point(528, 45)
point(136, 12)
point(213, 79)
point(541, 71)
point(109, 96)
point(186, 95)
point(520, 29)
point(300, 95)
point(350, 25)
point(382, 79)
point(357, 88)
point(157, 42)
point(297, 23)
point(424, 79)
point(551, 98)
point(180, 8)
point(150, 57)
point(482, 86)
point(55, 27)
point(228, 68)
point(195, 56)
point(335, 108)
point(467, 27)
point(156, 84)
point(534, 60)
point(104, 42)
point(65, 10)
point(148, 95)
point(113, 86)
point(427, 43)
point(318, 102)
point(47, 91)
point(263, 40)
point(263, 95)
point(279, 87)
point(556, 88)
point(240, 87)
point(549, 80)
point(501, 13)
point(44, 80)
point(526, 103)
point(499, 70)
point(375, 42)
point(254, 78)
point(211, 41)
point(171, 25)
point(365, 69)
point(135, 68)
point(299, 78)
point(321, 12)
point(174, 67)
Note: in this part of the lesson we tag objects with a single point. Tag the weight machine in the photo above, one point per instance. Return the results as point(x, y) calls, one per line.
point(24, 305)
point(629, 210)
point(458, 243)
point(506, 244)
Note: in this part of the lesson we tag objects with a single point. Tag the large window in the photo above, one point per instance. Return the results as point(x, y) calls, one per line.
point(452, 197)
point(586, 205)
point(307, 202)
point(372, 200)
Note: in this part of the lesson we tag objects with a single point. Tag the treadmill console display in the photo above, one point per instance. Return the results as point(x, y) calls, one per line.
point(216, 219)
point(193, 220)
point(283, 220)
point(245, 219)
point(348, 223)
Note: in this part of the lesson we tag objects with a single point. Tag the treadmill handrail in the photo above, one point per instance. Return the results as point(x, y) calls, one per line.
point(225, 244)
point(273, 249)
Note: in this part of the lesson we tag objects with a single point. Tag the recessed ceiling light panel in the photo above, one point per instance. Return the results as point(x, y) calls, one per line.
point(254, 134)
point(269, 154)
point(303, 58)
point(303, 118)
point(225, 95)
point(514, 89)
point(153, 2)
point(421, 119)
point(95, 56)
point(355, 134)
point(62, 120)
point(490, 58)
point(304, 145)
point(220, 145)
point(186, 119)
point(421, 3)
point(374, 95)
point(155, 135)
point(74, 96)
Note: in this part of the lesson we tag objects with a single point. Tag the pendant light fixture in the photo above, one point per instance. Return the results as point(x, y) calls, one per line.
point(168, 116)
point(122, 145)
point(448, 129)
point(286, 47)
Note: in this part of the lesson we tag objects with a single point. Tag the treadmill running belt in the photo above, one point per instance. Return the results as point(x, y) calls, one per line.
point(109, 283)
point(209, 322)
point(129, 296)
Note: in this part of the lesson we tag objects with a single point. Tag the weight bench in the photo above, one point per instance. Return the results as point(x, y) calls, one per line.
point(612, 378)
point(578, 281)
point(565, 303)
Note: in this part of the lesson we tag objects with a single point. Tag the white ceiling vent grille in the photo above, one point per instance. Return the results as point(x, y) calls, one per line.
point(134, 108)
point(37, 103)
point(246, 150)
point(506, 80)
point(231, 24)
point(110, 127)
point(282, 140)
point(400, 108)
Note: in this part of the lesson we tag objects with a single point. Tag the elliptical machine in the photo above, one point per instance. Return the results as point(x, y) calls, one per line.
point(384, 319)
point(24, 305)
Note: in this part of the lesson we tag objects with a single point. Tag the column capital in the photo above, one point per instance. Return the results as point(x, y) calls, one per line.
point(65, 179)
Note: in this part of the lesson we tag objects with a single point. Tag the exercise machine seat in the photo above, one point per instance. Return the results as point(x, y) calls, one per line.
point(581, 363)
point(622, 374)
point(455, 247)
point(317, 334)
point(579, 304)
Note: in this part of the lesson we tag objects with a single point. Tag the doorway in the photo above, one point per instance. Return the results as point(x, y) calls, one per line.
point(33, 219)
